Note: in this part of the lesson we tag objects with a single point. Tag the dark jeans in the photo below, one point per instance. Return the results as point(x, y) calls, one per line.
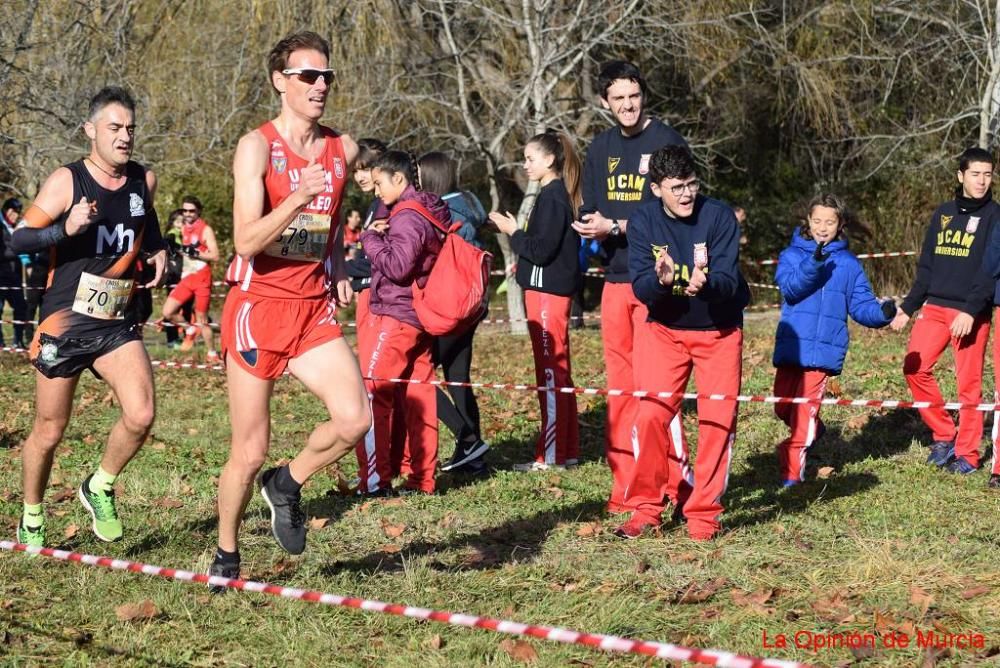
point(36, 290)
point(12, 294)
point(460, 413)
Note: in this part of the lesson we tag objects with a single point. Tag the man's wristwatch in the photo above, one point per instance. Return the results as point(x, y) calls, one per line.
point(616, 229)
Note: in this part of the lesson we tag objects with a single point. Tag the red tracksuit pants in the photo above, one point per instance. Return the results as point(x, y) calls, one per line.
point(393, 349)
point(668, 357)
point(995, 464)
point(399, 458)
point(928, 339)
point(803, 419)
point(621, 315)
point(548, 327)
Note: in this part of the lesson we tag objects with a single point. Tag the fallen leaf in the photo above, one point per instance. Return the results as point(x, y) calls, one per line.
point(390, 548)
point(317, 523)
point(974, 592)
point(89, 439)
point(642, 566)
point(590, 529)
point(167, 502)
point(192, 431)
point(755, 600)
point(392, 530)
point(71, 531)
point(434, 642)
point(862, 652)
point(555, 492)
point(63, 495)
point(159, 446)
point(519, 650)
point(833, 387)
point(683, 557)
point(696, 593)
point(825, 472)
point(932, 655)
point(921, 599)
point(131, 612)
point(281, 566)
point(859, 421)
point(393, 501)
point(832, 607)
point(710, 613)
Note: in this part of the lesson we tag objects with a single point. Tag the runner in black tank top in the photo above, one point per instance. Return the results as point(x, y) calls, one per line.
point(94, 216)
point(91, 278)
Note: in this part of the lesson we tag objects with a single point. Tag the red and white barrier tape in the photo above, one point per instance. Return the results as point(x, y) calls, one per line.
point(596, 391)
point(709, 657)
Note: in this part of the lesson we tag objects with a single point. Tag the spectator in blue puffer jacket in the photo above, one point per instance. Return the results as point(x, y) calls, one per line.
point(821, 283)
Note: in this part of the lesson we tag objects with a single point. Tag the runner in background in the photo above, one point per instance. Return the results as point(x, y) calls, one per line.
point(199, 249)
point(12, 273)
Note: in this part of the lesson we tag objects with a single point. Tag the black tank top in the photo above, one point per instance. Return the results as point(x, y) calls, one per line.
point(91, 279)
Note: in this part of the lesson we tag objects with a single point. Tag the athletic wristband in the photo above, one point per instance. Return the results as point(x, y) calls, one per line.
point(34, 239)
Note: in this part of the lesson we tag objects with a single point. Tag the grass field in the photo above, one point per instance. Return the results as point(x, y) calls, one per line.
point(875, 542)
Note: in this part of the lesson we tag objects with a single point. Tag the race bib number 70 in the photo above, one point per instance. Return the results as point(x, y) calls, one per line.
point(103, 298)
point(304, 239)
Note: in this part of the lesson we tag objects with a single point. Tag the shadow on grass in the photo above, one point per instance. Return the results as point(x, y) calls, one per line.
point(10, 439)
point(517, 540)
point(755, 496)
point(71, 640)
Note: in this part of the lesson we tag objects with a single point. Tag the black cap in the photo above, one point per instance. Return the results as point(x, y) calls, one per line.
point(12, 203)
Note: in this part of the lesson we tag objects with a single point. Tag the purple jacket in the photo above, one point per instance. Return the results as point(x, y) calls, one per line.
point(403, 255)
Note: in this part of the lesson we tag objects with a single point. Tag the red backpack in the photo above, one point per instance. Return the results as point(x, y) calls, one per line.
point(456, 292)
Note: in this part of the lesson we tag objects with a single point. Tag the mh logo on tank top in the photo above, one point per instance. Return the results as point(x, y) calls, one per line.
point(115, 239)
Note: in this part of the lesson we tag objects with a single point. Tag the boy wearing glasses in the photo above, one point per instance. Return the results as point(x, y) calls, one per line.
point(615, 182)
point(200, 249)
point(683, 262)
point(288, 279)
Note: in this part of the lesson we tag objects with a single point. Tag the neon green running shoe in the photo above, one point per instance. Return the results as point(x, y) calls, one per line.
point(33, 537)
point(101, 505)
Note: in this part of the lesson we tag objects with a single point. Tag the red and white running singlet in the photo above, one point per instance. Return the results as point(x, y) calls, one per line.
point(297, 264)
point(194, 234)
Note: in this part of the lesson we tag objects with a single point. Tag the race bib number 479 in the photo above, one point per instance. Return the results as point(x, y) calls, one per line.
point(304, 239)
point(103, 298)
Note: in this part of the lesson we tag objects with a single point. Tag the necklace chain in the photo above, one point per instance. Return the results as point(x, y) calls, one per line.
point(114, 176)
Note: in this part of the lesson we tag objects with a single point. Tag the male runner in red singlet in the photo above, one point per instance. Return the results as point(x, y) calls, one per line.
point(288, 278)
point(200, 249)
point(95, 215)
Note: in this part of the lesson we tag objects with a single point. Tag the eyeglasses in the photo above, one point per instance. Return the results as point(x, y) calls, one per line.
point(691, 186)
point(189, 210)
point(308, 75)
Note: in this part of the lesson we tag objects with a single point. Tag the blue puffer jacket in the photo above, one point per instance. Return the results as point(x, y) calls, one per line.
point(816, 300)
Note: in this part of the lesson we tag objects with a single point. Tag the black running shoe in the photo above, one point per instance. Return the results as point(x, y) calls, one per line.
point(223, 569)
point(288, 523)
point(466, 452)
